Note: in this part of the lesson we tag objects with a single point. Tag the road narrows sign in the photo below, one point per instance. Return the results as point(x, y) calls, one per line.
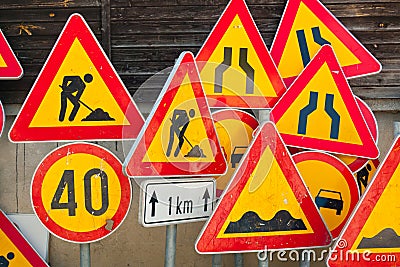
point(235, 66)
point(373, 230)
point(266, 204)
point(79, 192)
point(173, 201)
point(10, 68)
point(305, 26)
point(332, 186)
point(235, 131)
point(319, 111)
point(14, 249)
point(78, 95)
point(179, 138)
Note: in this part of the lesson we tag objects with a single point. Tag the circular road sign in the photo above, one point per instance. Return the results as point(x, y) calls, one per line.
point(234, 128)
point(331, 185)
point(79, 193)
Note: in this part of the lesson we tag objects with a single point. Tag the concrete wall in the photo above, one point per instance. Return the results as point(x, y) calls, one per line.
point(131, 244)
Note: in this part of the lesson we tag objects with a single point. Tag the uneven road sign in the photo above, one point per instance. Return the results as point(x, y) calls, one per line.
point(173, 201)
point(79, 192)
point(14, 249)
point(372, 234)
point(266, 204)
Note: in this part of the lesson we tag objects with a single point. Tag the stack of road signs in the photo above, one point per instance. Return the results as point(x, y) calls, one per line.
point(79, 192)
point(78, 95)
point(371, 237)
point(235, 131)
point(319, 111)
point(9, 64)
point(235, 66)
point(14, 249)
point(305, 26)
point(179, 137)
point(266, 204)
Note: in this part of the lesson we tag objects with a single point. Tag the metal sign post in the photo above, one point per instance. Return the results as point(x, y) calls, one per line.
point(85, 255)
point(263, 116)
point(170, 245)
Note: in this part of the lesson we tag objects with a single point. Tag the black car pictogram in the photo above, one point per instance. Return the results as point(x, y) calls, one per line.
point(328, 202)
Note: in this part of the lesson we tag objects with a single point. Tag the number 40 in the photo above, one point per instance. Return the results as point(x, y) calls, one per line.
point(67, 180)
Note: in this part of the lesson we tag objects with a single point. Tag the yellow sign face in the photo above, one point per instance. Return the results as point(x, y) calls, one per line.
point(364, 176)
point(183, 113)
point(235, 132)
point(11, 253)
point(96, 106)
point(318, 92)
point(307, 24)
point(3, 64)
point(236, 45)
point(332, 186)
point(385, 213)
point(266, 184)
point(79, 192)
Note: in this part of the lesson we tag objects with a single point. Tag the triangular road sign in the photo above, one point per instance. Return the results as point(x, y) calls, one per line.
point(9, 64)
point(319, 111)
point(179, 138)
point(372, 235)
point(305, 26)
point(14, 249)
point(235, 66)
point(78, 95)
point(266, 204)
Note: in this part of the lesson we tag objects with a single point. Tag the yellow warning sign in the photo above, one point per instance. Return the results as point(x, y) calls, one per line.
point(182, 134)
point(9, 253)
point(3, 64)
point(319, 111)
point(269, 185)
point(322, 93)
point(78, 95)
point(179, 136)
point(307, 26)
point(235, 66)
point(381, 231)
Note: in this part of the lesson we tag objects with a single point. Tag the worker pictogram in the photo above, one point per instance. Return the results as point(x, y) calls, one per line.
point(235, 66)
point(305, 27)
point(365, 174)
point(179, 138)
point(77, 91)
point(320, 111)
point(373, 228)
point(265, 205)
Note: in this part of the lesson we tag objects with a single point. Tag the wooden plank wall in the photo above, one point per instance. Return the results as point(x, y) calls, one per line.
point(148, 35)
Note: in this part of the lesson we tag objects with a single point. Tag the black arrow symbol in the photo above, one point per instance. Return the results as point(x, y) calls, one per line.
point(153, 202)
point(206, 196)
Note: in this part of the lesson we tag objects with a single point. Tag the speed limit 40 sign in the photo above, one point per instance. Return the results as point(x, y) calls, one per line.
point(79, 192)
